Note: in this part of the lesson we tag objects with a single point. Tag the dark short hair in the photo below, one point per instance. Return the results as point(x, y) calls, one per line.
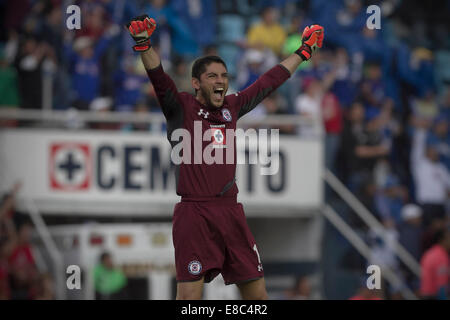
point(440, 235)
point(200, 65)
point(104, 255)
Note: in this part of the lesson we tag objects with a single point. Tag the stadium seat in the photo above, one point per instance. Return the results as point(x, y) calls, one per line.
point(231, 28)
point(441, 68)
point(229, 54)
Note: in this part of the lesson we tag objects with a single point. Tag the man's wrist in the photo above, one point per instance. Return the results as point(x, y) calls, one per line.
point(304, 52)
point(142, 47)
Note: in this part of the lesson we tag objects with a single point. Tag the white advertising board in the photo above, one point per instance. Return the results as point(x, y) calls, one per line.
point(117, 173)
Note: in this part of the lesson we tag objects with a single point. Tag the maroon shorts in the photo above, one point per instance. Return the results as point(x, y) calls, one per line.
point(212, 237)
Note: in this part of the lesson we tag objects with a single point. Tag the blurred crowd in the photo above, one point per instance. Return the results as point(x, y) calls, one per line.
point(20, 278)
point(382, 95)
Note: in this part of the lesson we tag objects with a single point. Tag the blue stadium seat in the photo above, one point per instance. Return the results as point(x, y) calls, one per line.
point(442, 69)
point(231, 28)
point(229, 54)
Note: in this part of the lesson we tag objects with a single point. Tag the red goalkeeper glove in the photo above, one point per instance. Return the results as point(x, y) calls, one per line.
point(141, 29)
point(312, 39)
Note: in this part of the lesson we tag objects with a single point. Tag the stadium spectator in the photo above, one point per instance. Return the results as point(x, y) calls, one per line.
point(372, 148)
point(7, 240)
point(175, 33)
point(128, 85)
point(268, 32)
point(95, 21)
point(432, 179)
point(29, 65)
point(121, 13)
point(140, 108)
point(16, 13)
point(439, 136)
point(435, 265)
point(353, 129)
point(9, 93)
point(372, 92)
point(332, 118)
point(429, 234)
point(410, 229)
point(274, 104)
point(23, 271)
point(210, 50)
point(301, 290)
point(391, 199)
point(180, 74)
point(44, 288)
point(346, 78)
point(311, 105)
point(364, 293)
point(410, 235)
point(308, 105)
point(293, 38)
point(110, 283)
point(199, 17)
point(252, 68)
point(426, 107)
point(5, 293)
point(103, 105)
point(84, 60)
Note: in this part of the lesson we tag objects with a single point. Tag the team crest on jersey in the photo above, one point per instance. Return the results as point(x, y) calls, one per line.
point(226, 114)
point(195, 267)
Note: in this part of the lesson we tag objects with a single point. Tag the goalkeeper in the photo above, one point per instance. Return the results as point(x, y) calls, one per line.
point(210, 232)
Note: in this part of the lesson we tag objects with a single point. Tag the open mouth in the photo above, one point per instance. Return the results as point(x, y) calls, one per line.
point(218, 93)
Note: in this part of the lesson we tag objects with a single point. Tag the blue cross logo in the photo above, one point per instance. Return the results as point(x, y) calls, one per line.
point(70, 166)
point(219, 136)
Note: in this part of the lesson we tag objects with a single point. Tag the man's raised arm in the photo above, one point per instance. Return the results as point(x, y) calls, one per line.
point(248, 99)
point(312, 39)
point(141, 28)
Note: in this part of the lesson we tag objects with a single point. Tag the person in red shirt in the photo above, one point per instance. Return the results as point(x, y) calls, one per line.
point(332, 119)
point(7, 239)
point(210, 232)
point(22, 264)
point(366, 294)
point(435, 265)
point(5, 293)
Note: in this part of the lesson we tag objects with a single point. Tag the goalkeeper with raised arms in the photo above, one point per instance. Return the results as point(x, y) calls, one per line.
point(210, 232)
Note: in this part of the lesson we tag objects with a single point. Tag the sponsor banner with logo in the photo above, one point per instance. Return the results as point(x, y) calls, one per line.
point(116, 173)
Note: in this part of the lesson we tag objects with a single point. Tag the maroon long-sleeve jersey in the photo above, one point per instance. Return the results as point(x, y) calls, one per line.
point(182, 110)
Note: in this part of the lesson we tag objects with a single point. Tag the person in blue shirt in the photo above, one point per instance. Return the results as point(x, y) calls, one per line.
point(391, 199)
point(128, 85)
point(440, 137)
point(173, 28)
point(84, 65)
point(200, 18)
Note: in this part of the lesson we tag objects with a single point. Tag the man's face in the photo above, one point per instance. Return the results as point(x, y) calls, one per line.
point(213, 85)
point(432, 154)
point(447, 240)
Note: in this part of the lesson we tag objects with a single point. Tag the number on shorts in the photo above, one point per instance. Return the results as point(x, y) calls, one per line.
point(257, 253)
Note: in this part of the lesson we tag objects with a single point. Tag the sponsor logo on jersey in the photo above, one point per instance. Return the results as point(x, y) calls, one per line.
point(195, 267)
point(226, 114)
point(218, 137)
